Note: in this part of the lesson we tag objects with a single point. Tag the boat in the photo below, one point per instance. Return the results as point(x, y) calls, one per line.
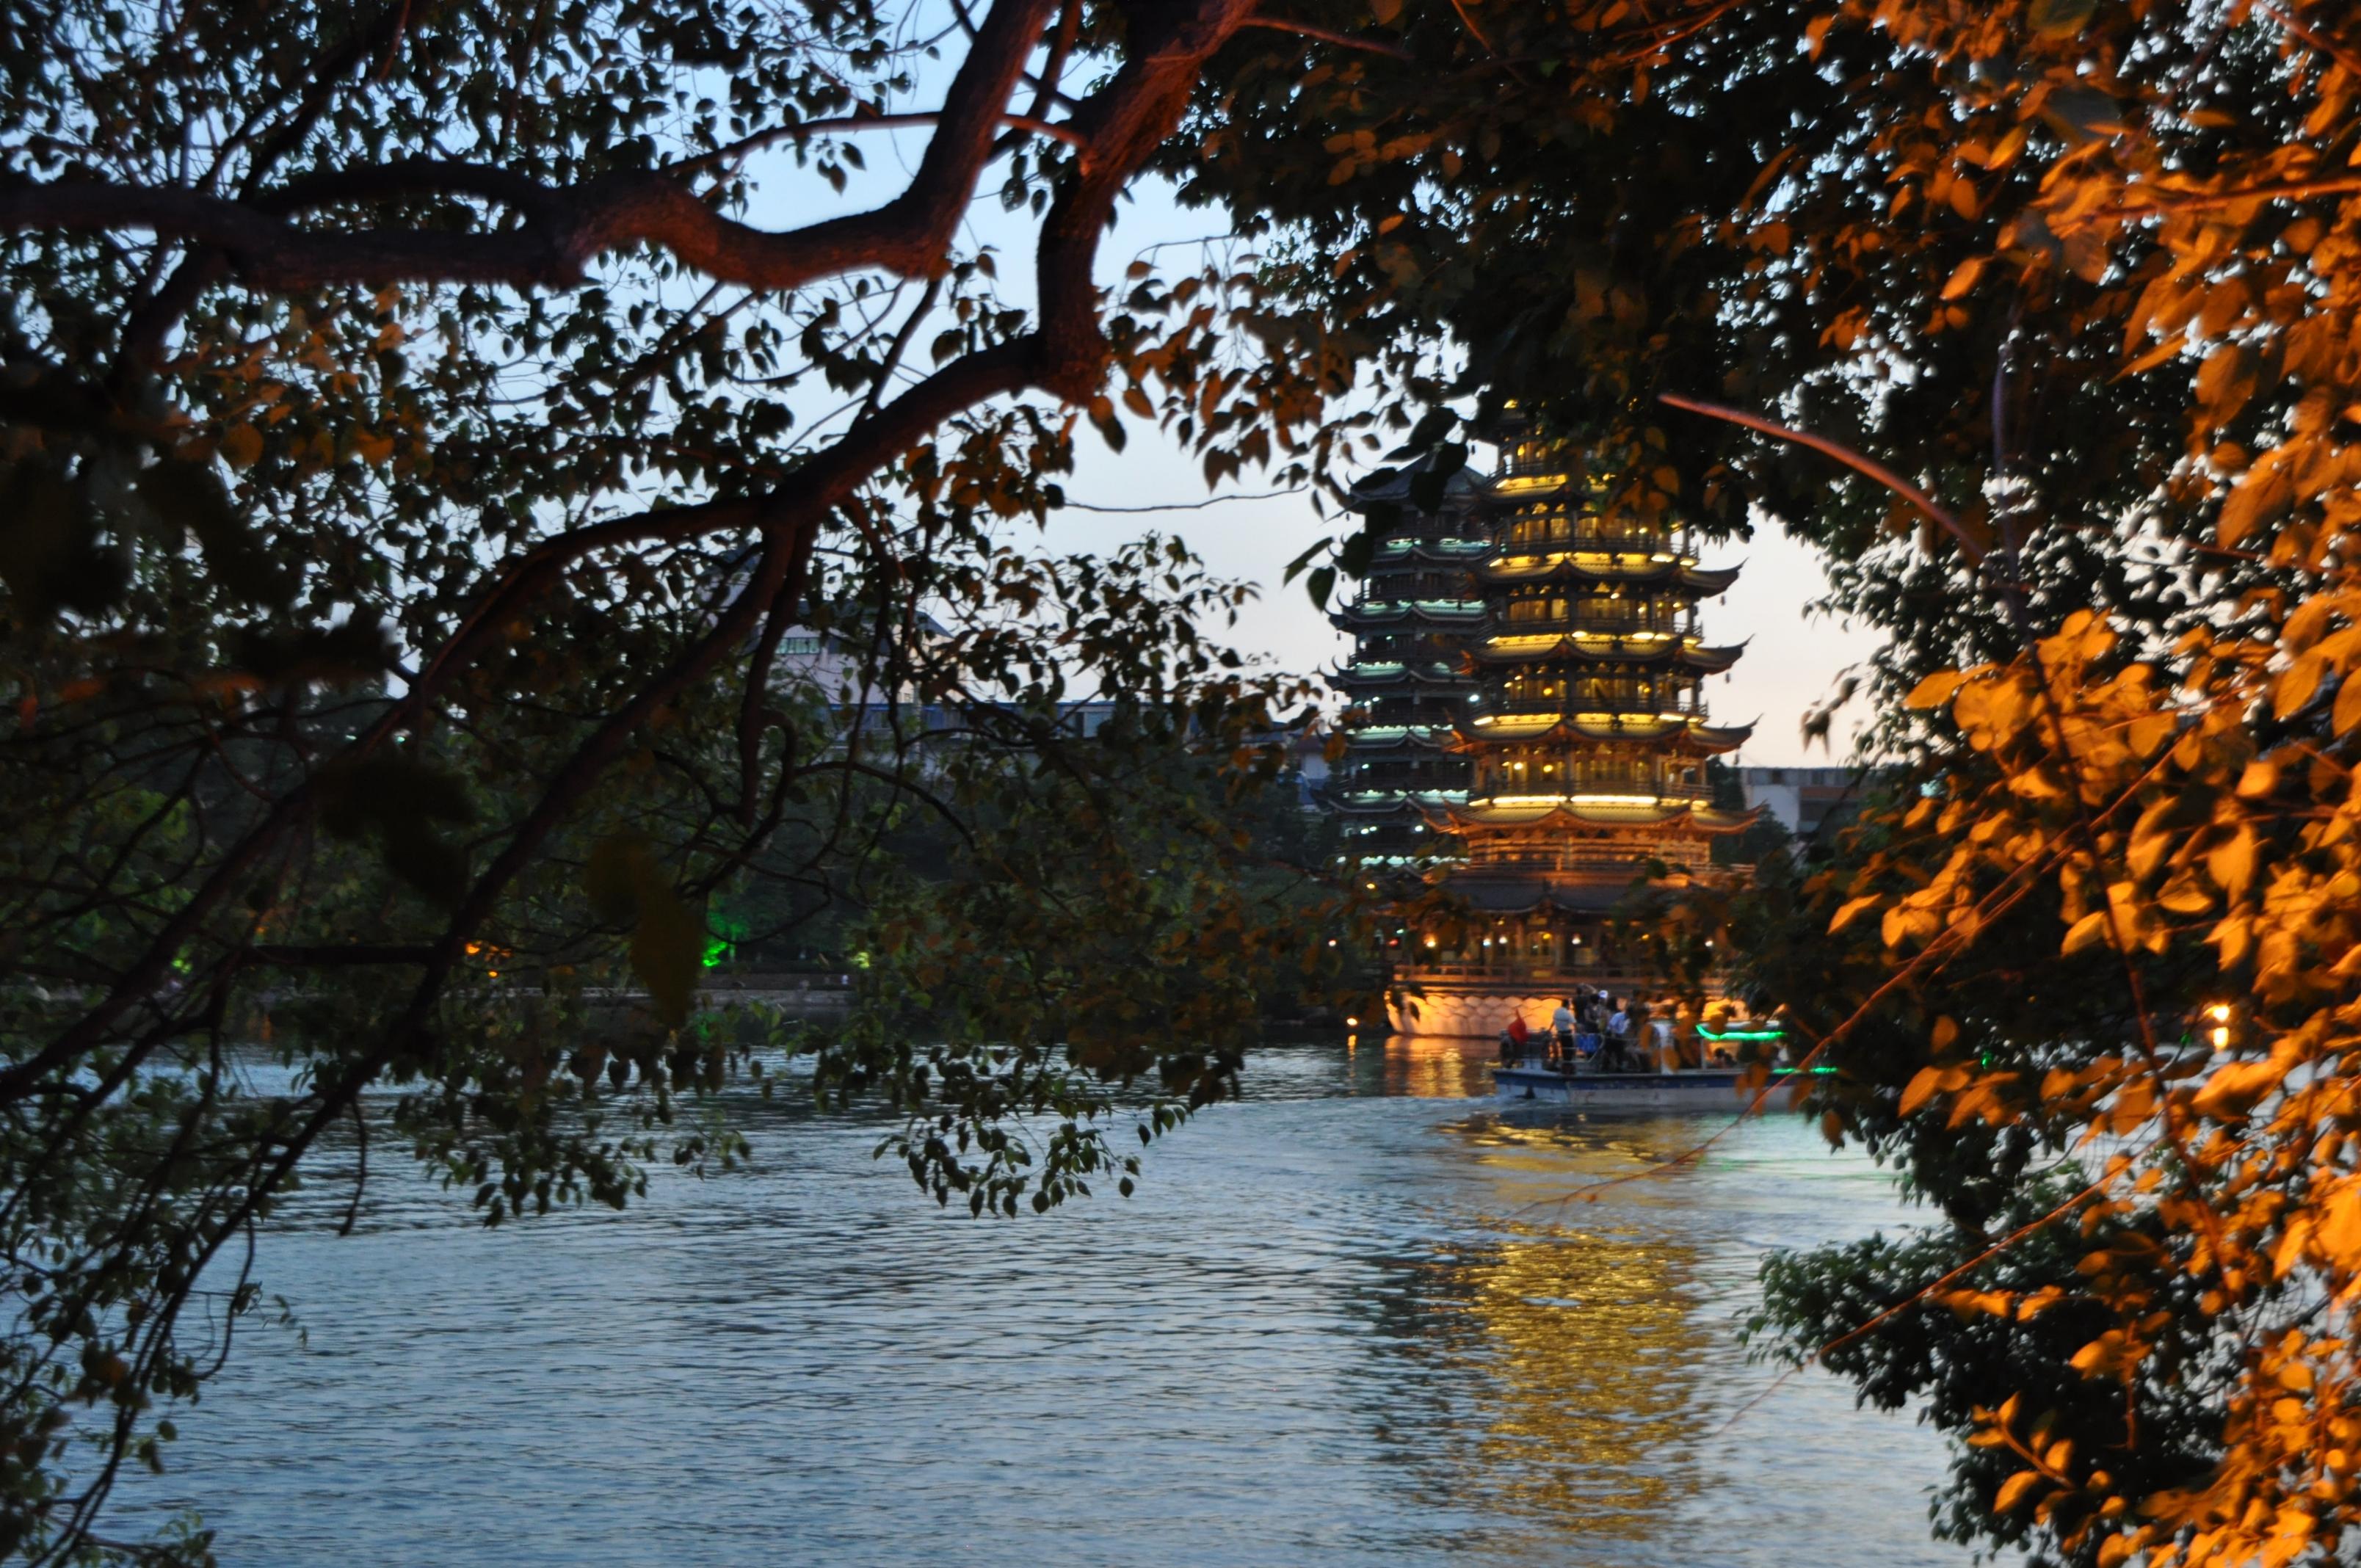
point(1675, 1089)
point(1719, 1088)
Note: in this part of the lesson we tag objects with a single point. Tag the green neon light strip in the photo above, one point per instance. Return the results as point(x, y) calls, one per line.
point(1744, 1034)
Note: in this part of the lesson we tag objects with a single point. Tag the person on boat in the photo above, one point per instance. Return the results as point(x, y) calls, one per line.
point(1618, 1035)
point(1585, 1004)
point(1514, 1039)
point(1660, 1037)
point(1563, 1022)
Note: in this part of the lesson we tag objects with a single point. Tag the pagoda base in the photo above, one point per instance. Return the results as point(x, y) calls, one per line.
point(1478, 1008)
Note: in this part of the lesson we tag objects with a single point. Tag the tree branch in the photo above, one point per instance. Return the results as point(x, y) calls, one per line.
point(1844, 454)
point(1329, 36)
point(566, 230)
point(761, 139)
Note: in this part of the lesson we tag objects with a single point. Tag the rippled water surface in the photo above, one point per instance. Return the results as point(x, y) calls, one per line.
point(1346, 1321)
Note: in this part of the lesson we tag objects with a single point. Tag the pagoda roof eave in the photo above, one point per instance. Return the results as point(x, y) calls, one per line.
point(1571, 812)
point(1391, 487)
point(1425, 805)
point(1404, 737)
point(1681, 734)
point(1354, 617)
point(1569, 650)
point(1398, 675)
point(1709, 739)
point(1399, 806)
point(1458, 553)
point(1643, 571)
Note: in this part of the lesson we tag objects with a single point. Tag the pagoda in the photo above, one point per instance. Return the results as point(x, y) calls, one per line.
point(1417, 614)
point(1584, 740)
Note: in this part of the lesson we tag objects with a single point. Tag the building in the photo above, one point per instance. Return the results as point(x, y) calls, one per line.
point(1804, 800)
point(1585, 738)
point(1408, 679)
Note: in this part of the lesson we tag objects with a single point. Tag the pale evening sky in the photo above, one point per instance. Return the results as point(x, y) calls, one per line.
point(1793, 658)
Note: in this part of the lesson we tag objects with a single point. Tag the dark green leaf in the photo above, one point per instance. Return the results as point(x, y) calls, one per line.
point(1320, 584)
point(1295, 569)
point(667, 945)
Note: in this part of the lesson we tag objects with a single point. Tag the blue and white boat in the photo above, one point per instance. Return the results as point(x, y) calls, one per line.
point(1660, 1088)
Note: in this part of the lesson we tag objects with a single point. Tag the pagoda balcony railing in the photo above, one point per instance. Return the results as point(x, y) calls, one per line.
point(1581, 860)
point(1605, 788)
point(1378, 666)
point(1618, 976)
point(1595, 623)
point(1387, 713)
point(1521, 462)
point(1421, 578)
point(1527, 534)
point(1570, 704)
point(1454, 544)
point(1455, 604)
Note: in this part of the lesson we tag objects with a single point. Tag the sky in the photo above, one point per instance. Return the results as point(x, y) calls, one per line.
point(1793, 657)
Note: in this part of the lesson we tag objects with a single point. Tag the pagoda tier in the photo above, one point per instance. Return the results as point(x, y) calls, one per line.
point(1372, 614)
point(1531, 651)
point(1585, 741)
point(1371, 740)
point(1395, 676)
point(1408, 679)
point(1463, 554)
point(1673, 732)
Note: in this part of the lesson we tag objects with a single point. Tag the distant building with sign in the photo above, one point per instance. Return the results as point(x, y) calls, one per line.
point(1802, 800)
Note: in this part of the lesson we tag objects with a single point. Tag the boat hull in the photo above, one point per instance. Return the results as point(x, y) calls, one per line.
point(1693, 1089)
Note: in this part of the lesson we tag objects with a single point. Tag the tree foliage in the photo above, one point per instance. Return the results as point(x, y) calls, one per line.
point(418, 447)
point(421, 427)
point(2040, 317)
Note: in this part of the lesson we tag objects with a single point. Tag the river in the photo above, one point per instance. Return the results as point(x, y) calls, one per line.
point(1351, 1319)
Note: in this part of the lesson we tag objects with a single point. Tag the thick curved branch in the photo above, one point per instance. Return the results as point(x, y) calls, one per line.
point(753, 704)
point(566, 230)
point(1330, 36)
point(1033, 123)
point(1868, 467)
point(1125, 122)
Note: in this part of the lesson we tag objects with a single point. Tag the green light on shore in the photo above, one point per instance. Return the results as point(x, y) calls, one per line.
point(721, 939)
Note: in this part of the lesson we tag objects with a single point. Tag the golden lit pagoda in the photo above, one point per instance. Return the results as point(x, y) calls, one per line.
point(1587, 740)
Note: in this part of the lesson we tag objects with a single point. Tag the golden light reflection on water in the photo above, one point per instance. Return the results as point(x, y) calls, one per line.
point(1591, 1352)
point(1428, 1066)
point(1574, 1335)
